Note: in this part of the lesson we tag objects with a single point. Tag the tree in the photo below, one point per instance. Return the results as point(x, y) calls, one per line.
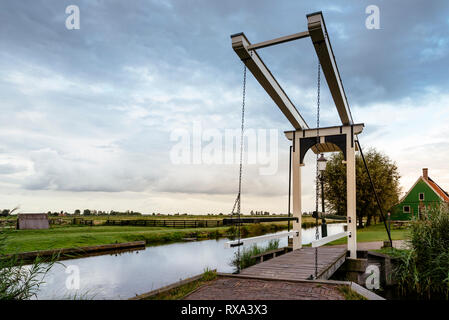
point(86, 212)
point(77, 212)
point(8, 212)
point(384, 173)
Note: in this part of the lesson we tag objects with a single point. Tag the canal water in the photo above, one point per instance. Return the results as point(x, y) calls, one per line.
point(122, 276)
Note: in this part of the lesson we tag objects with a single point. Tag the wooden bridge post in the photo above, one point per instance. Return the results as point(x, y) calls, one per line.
point(351, 191)
point(296, 191)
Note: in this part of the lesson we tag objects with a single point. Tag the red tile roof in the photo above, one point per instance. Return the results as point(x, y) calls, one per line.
point(443, 194)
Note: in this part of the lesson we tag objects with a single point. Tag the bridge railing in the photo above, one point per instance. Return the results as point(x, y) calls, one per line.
point(323, 241)
point(235, 243)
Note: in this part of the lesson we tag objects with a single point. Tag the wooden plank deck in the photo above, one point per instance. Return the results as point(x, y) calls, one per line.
point(300, 264)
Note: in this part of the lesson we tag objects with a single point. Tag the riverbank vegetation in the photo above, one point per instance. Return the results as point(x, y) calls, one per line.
point(69, 235)
point(183, 290)
point(350, 294)
point(17, 280)
point(423, 270)
point(245, 258)
point(103, 218)
point(77, 236)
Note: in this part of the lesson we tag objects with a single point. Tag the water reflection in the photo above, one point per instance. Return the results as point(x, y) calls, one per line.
point(121, 276)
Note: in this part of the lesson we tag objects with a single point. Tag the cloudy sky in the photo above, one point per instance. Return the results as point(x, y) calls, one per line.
point(89, 116)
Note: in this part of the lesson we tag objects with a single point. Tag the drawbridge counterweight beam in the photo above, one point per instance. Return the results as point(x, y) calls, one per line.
point(260, 71)
point(318, 34)
point(323, 48)
point(280, 40)
point(303, 138)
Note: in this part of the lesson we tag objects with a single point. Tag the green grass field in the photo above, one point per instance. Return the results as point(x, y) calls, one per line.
point(70, 236)
point(307, 219)
point(78, 236)
point(375, 233)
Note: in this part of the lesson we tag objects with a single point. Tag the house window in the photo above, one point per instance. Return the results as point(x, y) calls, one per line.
point(406, 209)
point(421, 196)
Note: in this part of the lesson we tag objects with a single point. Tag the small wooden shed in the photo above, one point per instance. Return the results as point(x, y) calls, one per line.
point(27, 221)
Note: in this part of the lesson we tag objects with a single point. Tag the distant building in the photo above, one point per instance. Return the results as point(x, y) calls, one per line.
point(27, 221)
point(423, 195)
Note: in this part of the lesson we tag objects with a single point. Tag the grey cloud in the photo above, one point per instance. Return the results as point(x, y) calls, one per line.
point(10, 168)
point(80, 90)
point(56, 171)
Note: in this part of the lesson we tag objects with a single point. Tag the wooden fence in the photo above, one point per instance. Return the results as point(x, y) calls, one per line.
point(170, 223)
point(62, 221)
point(236, 221)
point(8, 224)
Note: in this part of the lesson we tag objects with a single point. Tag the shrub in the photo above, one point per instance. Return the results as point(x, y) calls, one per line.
point(424, 269)
point(245, 260)
point(231, 232)
point(209, 274)
point(244, 231)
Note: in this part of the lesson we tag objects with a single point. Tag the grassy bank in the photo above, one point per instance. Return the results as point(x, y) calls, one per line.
point(375, 233)
point(308, 220)
point(71, 236)
point(77, 236)
point(350, 294)
point(180, 292)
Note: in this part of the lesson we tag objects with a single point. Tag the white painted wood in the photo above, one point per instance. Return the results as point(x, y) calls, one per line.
point(319, 36)
point(296, 194)
point(279, 40)
point(351, 193)
point(323, 241)
point(260, 71)
point(325, 131)
point(323, 48)
point(262, 238)
point(365, 292)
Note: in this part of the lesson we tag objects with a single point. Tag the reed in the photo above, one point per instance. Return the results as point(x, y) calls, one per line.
point(246, 254)
point(424, 269)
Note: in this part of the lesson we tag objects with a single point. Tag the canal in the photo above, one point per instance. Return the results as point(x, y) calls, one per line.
point(121, 276)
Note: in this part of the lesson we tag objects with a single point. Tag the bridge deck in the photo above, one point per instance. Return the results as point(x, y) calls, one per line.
point(300, 264)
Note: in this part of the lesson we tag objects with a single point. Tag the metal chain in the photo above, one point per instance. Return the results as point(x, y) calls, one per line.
point(317, 232)
point(237, 202)
point(241, 136)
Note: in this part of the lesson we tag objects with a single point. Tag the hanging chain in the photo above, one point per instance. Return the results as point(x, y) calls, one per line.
point(237, 200)
point(237, 203)
point(317, 232)
point(241, 137)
